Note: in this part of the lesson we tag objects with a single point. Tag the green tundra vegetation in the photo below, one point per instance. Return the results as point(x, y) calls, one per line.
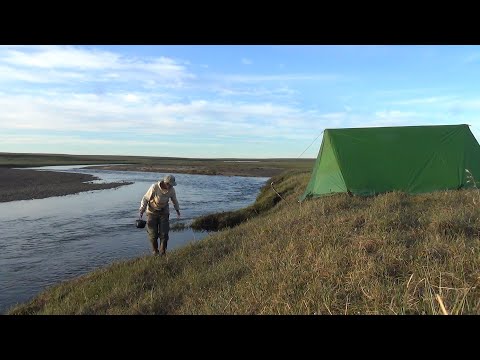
point(387, 254)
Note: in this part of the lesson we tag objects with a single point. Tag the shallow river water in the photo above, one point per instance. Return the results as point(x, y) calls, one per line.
point(46, 241)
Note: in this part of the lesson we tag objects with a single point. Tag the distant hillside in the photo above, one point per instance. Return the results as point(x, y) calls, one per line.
point(229, 167)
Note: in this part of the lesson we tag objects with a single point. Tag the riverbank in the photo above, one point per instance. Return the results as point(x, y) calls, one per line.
point(388, 254)
point(18, 184)
point(227, 170)
point(26, 184)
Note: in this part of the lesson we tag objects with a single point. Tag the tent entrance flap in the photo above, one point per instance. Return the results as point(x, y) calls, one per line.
point(326, 176)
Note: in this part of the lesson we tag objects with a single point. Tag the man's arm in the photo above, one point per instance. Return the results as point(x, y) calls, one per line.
point(145, 199)
point(175, 202)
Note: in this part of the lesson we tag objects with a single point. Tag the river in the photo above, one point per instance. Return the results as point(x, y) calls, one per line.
point(47, 241)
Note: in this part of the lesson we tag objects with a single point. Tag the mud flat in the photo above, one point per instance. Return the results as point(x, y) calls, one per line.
point(31, 184)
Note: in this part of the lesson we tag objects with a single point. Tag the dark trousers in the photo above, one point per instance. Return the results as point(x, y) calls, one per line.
point(158, 226)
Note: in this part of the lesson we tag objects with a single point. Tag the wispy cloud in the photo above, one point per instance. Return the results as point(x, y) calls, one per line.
point(278, 91)
point(474, 57)
point(100, 140)
point(51, 64)
point(425, 101)
point(10, 73)
point(239, 78)
point(140, 113)
point(467, 104)
point(49, 57)
point(395, 114)
point(407, 91)
point(110, 97)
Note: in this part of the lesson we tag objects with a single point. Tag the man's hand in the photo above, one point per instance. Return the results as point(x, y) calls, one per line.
point(141, 214)
point(178, 214)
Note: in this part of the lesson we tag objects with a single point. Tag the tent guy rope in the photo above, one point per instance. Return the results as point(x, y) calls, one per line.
point(271, 184)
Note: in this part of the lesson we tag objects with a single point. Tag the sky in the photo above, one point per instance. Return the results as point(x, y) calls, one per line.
point(224, 101)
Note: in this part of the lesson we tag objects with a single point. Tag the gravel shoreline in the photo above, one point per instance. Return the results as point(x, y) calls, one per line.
point(26, 184)
point(18, 184)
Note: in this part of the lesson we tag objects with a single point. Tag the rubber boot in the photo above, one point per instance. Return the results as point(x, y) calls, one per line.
point(155, 247)
point(163, 247)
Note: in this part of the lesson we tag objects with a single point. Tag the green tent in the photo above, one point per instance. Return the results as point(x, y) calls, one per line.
point(412, 159)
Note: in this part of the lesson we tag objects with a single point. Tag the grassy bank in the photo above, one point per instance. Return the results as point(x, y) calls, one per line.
point(284, 184)
point(390, 254)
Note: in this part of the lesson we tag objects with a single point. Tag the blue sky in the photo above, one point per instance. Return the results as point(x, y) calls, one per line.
point(225, 101)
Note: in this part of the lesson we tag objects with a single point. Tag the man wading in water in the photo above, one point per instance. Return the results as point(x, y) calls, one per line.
point(155, 201)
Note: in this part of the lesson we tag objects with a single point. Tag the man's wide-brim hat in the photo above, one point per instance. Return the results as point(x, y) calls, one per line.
point(169, 179)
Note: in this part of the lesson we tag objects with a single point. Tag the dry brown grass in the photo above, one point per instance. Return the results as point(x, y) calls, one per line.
point(390, 254)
